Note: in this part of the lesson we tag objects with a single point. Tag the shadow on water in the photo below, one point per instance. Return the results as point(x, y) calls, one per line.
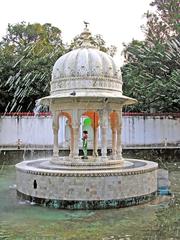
point(153, 221)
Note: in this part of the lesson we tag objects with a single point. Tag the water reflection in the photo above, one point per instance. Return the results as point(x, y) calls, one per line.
point(20, 220)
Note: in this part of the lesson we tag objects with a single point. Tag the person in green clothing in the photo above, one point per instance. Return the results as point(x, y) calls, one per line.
point(85, 136)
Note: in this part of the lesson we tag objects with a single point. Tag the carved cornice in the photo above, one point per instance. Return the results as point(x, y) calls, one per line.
point(99, 173)
point(91, 83)
point(45, 168)
point(86, 78)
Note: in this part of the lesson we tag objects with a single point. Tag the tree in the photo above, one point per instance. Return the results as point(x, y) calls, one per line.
point(165, 23)
point(27, 54)
point(152, 70)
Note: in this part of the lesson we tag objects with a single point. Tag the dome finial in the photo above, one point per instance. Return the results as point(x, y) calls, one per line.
point(85, 39)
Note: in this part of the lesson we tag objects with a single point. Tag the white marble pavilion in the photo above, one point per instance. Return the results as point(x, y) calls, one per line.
point(86, 81)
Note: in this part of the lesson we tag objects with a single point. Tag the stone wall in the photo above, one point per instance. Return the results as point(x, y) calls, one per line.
point(36, 131)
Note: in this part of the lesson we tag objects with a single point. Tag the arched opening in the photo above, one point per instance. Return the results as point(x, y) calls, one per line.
point(116, 128)
point(35, 184)
point(68, 131)
point(92, 128)
point(114, 124)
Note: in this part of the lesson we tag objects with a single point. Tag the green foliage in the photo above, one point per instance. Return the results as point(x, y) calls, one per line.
point(27, 54)
point(152, 70)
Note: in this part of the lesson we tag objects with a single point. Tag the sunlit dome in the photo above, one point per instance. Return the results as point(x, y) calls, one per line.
point(85, 67)
point(87, 72)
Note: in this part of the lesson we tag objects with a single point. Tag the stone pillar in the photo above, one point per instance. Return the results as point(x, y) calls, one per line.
point(119, 133)
point(76, 142)
point(71, 141)
point(114, 142)
point(104, 126)
point(75, 135)
point(55, 126)
point(95, 142)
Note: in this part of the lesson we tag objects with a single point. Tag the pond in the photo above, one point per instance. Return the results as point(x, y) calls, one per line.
point(152, 221)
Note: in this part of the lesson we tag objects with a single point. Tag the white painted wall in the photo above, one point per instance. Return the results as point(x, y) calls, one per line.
point(140, 130)
point(137, 130)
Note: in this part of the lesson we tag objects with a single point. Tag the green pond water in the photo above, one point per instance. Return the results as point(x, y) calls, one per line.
point(153, 221)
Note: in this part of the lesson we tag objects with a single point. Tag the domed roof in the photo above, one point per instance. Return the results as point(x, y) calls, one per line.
point(86, 72)
point(85, 67)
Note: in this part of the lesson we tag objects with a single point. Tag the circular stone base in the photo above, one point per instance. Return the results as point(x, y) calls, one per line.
point(132, 183)
point(65, 163)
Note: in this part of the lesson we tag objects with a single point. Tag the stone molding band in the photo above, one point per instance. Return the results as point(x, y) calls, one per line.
point(81, 83)
point(34, 167)
point(83, 163)
point(83, 205)
point(87, 173)
point(86, 78)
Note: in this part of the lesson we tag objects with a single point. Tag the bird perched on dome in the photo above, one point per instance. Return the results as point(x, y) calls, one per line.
point(73, 93)
point(86, 24)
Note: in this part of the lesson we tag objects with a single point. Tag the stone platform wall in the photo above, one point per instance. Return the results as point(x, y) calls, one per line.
point(86, 185)
point(100, 187)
